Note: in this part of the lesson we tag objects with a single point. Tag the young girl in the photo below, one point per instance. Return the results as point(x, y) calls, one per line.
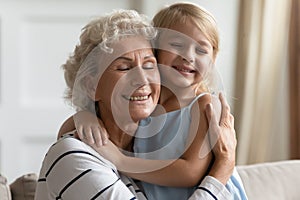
point(171, 148)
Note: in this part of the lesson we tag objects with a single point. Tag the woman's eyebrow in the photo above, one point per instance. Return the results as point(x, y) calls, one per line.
point(149, 56)
point(124, 58)
point(130, 59)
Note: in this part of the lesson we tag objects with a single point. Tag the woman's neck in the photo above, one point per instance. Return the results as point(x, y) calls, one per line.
point(121, 133)
point(121, 138)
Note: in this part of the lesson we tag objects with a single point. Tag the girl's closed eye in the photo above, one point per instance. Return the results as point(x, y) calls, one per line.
point(200, 50)
point(176, 45)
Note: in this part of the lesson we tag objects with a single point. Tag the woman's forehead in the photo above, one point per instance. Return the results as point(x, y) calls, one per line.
point(126, 46)
point(130, 44)
point(144, 52)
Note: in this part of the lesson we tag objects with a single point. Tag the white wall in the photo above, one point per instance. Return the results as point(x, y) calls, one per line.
point(35, 39)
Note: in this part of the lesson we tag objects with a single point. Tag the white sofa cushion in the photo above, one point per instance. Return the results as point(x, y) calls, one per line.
point(23, 188)
point(272, 181)
point(4, 189)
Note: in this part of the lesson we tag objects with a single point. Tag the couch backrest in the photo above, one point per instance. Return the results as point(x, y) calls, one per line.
point(4, 189)
point(274, 181)
point(23, 188)
point(265, 181)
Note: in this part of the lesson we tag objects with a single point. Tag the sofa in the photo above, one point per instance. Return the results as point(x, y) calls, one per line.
point(272, 181)
point(23, 188)
point(265, 181)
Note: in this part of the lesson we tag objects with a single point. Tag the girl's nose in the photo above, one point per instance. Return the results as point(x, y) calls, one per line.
point(189, 56)
point(189, 60)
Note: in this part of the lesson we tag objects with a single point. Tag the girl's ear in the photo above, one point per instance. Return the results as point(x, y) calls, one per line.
point(91, 84)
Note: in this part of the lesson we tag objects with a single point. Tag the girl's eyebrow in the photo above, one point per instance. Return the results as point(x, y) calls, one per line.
point(201, 42)
point(204, 43)
point(175, 36)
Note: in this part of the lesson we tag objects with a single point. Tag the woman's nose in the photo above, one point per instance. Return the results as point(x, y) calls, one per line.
point(138, 77)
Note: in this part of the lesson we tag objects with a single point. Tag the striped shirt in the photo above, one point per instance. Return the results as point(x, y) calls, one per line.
point(72, 170)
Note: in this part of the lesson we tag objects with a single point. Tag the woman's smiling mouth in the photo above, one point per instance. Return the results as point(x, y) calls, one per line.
point(137, 98)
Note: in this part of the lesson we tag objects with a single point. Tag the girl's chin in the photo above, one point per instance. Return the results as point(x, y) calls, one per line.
point(180, 82)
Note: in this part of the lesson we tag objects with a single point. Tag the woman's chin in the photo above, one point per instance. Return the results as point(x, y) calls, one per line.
point(141, 114)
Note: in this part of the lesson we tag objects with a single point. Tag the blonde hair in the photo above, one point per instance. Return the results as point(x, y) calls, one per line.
point(181, 12)
point(205, 22)
point(96, 37)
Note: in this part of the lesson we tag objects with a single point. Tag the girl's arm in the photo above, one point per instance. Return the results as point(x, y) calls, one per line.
point(191, 167)
point(66, 127)
point(89, 128)
point(186, 171)
point(127, 164)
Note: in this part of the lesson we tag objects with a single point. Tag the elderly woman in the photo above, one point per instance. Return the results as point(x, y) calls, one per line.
point(113, 72)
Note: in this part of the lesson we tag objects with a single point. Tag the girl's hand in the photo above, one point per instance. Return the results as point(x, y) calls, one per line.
point(90, 129)
point(111, 152)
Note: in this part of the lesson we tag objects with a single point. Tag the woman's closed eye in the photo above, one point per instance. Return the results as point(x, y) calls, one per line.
point(123, 67)
point(149, 65)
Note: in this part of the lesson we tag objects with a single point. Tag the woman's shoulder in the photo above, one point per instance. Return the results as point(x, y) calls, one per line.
point(70, 164)
point(79, 151)
point(68, 143)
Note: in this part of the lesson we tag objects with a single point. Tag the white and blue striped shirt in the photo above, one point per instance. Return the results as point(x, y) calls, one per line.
point(72, 170)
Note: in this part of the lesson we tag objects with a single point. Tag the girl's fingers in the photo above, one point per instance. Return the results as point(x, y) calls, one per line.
point(97, 136)
point(80, 132)
point(103, 132)
point(89, 136)
point(104, 135)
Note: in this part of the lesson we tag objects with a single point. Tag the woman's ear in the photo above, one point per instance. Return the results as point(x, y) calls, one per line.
point(91, 84)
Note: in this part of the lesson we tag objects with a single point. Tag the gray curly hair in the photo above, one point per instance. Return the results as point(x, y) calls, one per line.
point(96, 37)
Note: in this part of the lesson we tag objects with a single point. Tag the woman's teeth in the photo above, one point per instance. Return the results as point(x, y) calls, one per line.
point(138, 98)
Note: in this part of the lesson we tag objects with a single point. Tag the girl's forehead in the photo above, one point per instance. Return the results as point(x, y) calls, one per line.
point(187, 27)
point(185, 33)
